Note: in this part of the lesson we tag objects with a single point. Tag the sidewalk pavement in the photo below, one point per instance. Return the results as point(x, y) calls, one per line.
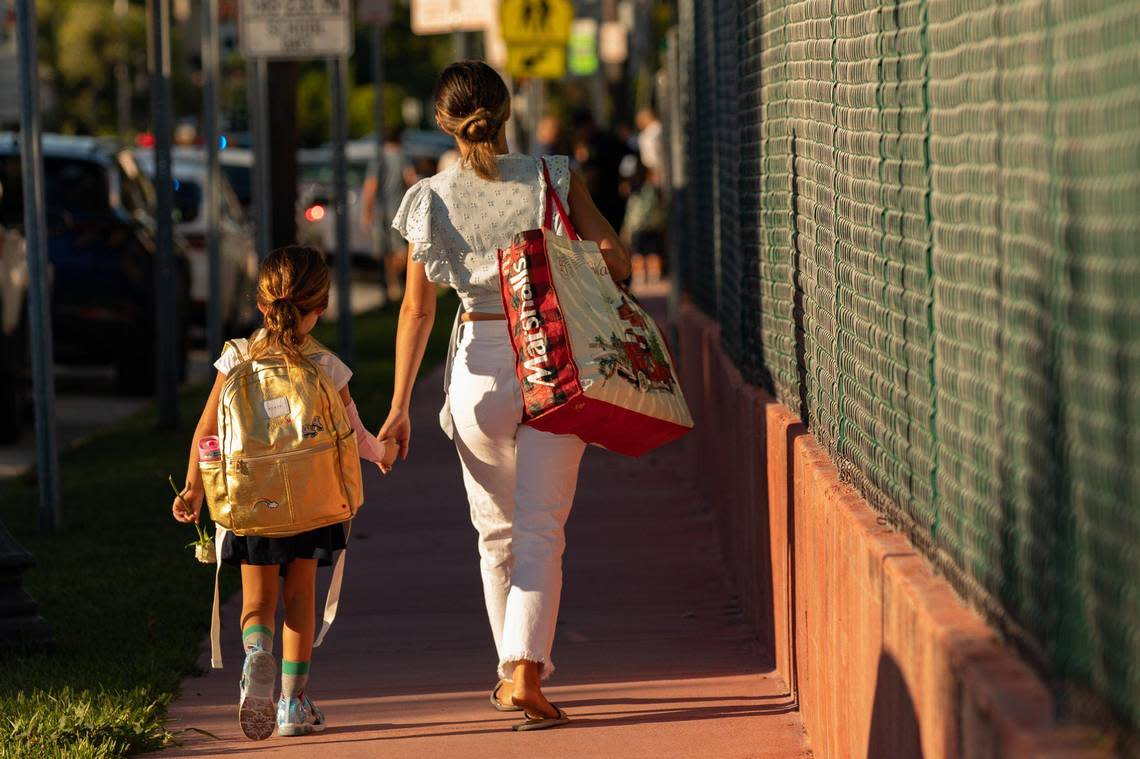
point(654, 658)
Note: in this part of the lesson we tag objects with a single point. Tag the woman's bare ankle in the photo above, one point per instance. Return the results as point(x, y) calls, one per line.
point(527, 689)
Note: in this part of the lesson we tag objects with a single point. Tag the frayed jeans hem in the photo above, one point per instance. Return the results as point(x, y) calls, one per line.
point(507, 665)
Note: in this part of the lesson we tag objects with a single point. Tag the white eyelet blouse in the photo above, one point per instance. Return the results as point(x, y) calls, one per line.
point(458, 221)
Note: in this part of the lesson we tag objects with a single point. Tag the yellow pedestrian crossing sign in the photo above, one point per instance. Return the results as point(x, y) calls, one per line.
point(536, 22)
point(537, 61)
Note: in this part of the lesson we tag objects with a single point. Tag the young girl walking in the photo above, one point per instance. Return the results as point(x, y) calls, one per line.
point(292, 293)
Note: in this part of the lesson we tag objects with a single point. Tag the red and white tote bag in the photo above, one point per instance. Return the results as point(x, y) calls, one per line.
point(591, 361)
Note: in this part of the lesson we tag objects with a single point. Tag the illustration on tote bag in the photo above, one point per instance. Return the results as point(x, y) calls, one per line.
point(637, 356)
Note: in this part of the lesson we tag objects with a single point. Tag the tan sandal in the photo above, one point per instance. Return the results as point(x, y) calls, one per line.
point(500, 705)
point(542, 723)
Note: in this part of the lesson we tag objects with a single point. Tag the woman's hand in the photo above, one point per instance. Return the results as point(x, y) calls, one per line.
point(398, 429)
point(188, 504)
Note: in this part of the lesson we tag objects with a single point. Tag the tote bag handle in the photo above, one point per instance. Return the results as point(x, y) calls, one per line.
point(553, 202)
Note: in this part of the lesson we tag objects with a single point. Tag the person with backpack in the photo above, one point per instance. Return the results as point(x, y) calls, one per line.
point(286, 437)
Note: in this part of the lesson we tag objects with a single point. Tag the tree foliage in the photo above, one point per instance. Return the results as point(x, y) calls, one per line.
point(81, 42)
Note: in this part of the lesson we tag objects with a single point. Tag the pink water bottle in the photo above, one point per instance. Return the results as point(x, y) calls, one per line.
point(209, 448)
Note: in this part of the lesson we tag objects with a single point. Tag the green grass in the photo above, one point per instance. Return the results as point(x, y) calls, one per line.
point(129, 605)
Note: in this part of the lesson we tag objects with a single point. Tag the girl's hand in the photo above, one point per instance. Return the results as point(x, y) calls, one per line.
point(391, 450)
point(397, 429)
point(188, 505)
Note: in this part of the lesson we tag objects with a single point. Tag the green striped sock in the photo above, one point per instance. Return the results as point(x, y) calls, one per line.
point(294, 677)
point(257, 636)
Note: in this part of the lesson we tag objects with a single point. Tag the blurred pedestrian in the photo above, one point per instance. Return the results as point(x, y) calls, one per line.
point(627, 134)
point(292, 293)
point(549, 138)
point(599, 155)
point(520, 481)
point(447, 160)
point(644, 225)
point(651, 144)
point(382, 196)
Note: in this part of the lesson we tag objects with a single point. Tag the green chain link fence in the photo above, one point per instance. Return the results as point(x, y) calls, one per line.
point(918, 224)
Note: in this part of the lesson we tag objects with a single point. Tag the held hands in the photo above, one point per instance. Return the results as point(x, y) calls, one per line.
point(396, 434)
point(391, 450)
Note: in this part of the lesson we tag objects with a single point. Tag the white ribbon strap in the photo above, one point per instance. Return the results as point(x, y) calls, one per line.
point(216, 619)
point(333, 598)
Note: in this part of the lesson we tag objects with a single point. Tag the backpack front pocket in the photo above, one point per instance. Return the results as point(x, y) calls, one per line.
point(317, 489)
point(259, 498)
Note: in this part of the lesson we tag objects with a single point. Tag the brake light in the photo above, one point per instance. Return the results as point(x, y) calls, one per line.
point(315, 213)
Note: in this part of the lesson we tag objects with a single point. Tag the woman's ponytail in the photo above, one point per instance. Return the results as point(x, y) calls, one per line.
point(292, 283)
point(472, 103)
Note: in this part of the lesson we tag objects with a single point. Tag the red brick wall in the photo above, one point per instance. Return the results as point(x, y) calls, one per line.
point(884, 658)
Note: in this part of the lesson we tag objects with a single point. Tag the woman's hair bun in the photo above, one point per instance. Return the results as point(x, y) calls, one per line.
point(480, 126)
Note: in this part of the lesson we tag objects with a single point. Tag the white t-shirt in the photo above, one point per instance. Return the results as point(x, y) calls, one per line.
point(335, 369)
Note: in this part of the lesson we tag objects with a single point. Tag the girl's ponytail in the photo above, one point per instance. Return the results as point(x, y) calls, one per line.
point(292, 283)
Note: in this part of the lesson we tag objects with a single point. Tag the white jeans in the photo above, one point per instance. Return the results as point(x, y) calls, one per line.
point(520, 485)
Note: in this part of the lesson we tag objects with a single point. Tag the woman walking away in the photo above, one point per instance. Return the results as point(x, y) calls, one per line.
point(520, 481)
point(292, 293)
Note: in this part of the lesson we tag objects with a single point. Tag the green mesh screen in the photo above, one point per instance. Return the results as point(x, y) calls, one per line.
point(919, 223)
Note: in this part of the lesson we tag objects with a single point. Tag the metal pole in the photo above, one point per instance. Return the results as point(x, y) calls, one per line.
point(122, 74)
point(338, 74)
point(164, 275)
point(459, 48)
point(534, 88)
point(210, 66)
point(382, 218)
point(35, 236)
point(669, 103)
point(258, 74)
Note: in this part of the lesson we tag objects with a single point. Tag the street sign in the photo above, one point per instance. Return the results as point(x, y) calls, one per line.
point(536, 22)
point(583, 48)
point(286, 29)
point(446, 16)
point(374, 12)
point(536, 61)
point(614, 44)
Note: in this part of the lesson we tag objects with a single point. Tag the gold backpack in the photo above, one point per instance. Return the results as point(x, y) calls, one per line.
point(289, 459)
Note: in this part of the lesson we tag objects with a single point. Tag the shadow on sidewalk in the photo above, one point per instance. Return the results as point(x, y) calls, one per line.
point(376, 731)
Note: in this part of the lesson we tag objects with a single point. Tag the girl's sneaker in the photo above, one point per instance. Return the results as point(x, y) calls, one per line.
point(255, 710)
point(298, 716)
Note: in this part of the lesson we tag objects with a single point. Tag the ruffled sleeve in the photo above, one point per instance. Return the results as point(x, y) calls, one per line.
point(413, 219)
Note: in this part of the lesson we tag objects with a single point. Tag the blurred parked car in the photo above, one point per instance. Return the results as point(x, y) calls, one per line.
point(14, 367)
point(316, 223)
point(237, 248)
point(237, 165)
point(101, 245)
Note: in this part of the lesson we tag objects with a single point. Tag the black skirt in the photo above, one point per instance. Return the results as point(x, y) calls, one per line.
point(320, 544)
